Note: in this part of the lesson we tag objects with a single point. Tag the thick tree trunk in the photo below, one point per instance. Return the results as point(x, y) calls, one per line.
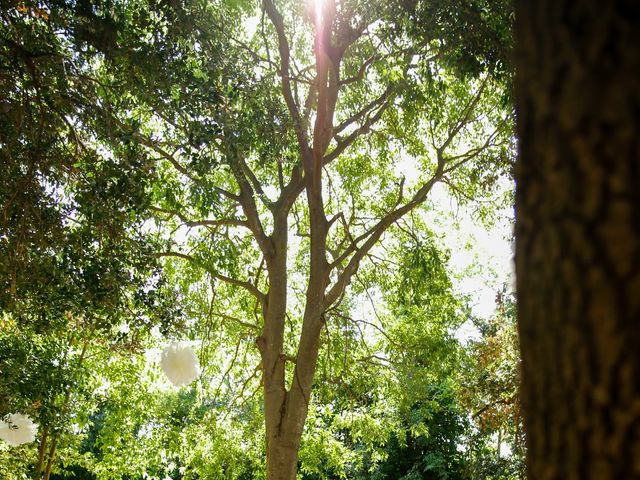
point(281, 465)
point(286, 410)
point(282, 445)
point(578, 236)
point(282, 459)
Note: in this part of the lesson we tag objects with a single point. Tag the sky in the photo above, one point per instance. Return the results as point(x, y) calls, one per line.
point(480, 261)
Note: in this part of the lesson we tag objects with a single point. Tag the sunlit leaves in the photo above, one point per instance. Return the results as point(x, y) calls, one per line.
point(169, 137)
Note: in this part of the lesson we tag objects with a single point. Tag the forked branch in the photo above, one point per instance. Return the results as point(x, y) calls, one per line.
point(371, 236)
point(285, 56)
point(248, 286)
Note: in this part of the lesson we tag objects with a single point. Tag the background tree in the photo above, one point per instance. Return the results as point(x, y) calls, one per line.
point(577, 231)
point(74, 264)
point(387, 401)
point(489, 390)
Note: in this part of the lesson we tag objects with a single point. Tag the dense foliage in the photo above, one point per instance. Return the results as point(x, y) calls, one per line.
point(159, 184)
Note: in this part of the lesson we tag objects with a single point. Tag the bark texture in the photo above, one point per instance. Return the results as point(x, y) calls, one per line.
point(578, 236)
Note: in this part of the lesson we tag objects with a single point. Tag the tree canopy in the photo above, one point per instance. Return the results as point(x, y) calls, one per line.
point(245, 175)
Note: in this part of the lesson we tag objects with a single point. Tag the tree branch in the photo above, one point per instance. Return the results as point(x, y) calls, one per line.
point(248, 286)
point(248, 203)
point(373, 235)
point(474, 152)
point(343, 144)
point(285, 55)
point(149, 143)
point(361, 71)
point(201, 223)
point(466, 115)
point(365, 111)
point(249, 325)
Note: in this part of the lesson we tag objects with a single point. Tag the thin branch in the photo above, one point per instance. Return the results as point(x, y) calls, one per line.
point(285, 55)
point(248, 286)
point(365, 111)
point(365, 127)
point(231, 365)
point(361, 71)
point(464, 119)
point(149, 143)
point(474, 152)
point(243, 388)
point(201, 223)
point(353, 246)
point(231, 318)
point(244, 46)
point(239, 169)
point(500, 401)
point(385, 362)
point(255, 183)
point(374, 234)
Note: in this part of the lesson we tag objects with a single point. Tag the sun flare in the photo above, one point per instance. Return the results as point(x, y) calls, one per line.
point(318, 5)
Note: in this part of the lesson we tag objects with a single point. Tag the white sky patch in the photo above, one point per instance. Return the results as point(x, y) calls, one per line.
point(480, 255)
point(102, 389)
point(271, 191)
point(480, 261)
point(250, 24)
point(124, 328)
point(467, 332)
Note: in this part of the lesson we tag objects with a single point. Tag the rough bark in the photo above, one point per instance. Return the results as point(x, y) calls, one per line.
point(578, 236)
point(273, 360)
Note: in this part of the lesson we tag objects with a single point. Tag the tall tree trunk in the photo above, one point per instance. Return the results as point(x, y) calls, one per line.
point(279, 463)
point(37, 472)
point(286, 409)
point(578, 236)
point(282, 460)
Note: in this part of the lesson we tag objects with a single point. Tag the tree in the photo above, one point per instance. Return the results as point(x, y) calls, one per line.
point(279, 156)
point(577, 237)
point(490, 388)
point(386, 400)
point(362, 76)
point(74, 264)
